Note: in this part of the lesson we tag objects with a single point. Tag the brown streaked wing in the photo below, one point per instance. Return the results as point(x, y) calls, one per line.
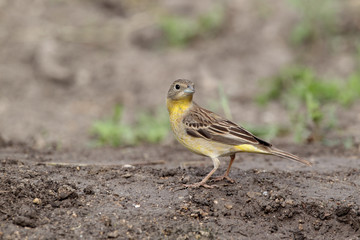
point(202, 123)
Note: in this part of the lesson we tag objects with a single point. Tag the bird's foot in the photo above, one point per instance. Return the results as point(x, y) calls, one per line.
point(222, 178)
point(199, 184)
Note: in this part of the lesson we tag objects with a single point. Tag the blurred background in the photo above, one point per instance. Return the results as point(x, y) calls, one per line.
point(78, 73)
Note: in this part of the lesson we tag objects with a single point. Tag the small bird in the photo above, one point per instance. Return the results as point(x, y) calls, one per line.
point(208, 134)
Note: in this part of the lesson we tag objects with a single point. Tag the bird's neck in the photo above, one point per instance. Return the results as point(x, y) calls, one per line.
point(179, 106)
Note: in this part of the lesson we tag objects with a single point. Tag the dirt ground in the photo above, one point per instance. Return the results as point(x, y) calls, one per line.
point(138, 193)
point(65, 64)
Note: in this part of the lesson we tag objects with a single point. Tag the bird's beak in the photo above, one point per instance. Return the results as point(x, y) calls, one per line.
point(189, 89)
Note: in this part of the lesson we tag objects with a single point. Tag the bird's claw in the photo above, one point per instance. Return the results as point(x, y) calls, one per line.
point(199, 184)
point(222, 178)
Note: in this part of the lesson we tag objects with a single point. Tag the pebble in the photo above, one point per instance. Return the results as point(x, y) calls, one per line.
point(342, 211)
point(113, 234)
point(37, 201)
point(24, 221)
point(228, 206)
point(185, 179)
point(317, 225)
point(204, 233)
point(127, 175)
point(88, 190)
point(301, 227)
point(65, 191)
point(128, 166)
point(253, 194)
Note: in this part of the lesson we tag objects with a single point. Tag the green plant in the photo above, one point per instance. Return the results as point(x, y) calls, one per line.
point(115, 132)
point(179, 31)
point(347, 142)
point(318, 20)
point(310, 99)
point(224, 102)
point(353, 84)
point(152, 128)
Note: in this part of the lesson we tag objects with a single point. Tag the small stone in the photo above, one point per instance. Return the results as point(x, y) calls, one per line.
point(298, 236)
point(203, 213)
point(301, 227)
point(88, 190)
point(268, 209)
point(37, 201)
point(66, 191)
point(289, 201)
point(342, 211)
point(127, 175)
point(274, 229)
point(113, 234)
point(228, 206)
point(204, 233)
point(185, 179)
point(253, 194)
point(317, 224)
point(24, 221)
point(128, 166)
point(55, 204)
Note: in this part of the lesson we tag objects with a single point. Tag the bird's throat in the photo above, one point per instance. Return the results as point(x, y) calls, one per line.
point(178, 106)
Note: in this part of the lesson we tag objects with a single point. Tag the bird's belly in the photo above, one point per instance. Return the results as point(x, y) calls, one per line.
point(199, 146)
point(202, 146)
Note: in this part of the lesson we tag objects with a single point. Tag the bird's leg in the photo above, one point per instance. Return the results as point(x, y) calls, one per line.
point(226, 175)
point(203, 182)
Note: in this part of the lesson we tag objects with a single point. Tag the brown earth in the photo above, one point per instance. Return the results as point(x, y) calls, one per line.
point(65, 64)
point(138, 193)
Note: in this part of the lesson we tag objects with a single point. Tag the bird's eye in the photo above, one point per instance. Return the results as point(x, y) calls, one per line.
point(177, 86)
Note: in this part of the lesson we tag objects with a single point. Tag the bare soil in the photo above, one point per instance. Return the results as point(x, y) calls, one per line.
point(138, 193)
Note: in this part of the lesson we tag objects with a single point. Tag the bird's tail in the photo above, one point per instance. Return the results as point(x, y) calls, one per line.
point(270, 151)
point(283, 154)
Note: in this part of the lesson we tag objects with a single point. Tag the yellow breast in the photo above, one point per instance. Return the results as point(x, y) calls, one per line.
point(177, 112)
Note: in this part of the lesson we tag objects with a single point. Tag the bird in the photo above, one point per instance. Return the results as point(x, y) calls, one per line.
point(207, 133)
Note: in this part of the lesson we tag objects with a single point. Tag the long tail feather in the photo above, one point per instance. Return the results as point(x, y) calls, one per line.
point(283, 154)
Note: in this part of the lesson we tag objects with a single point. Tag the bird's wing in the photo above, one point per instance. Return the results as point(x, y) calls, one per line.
point(201, 123)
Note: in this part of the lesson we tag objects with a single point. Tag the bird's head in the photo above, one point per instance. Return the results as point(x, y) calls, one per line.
point(181, 89)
